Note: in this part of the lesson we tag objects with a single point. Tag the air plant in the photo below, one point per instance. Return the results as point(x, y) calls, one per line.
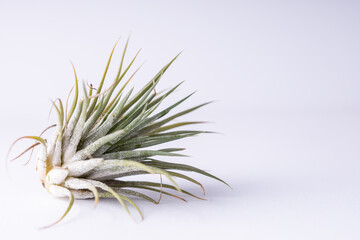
point(105, 136)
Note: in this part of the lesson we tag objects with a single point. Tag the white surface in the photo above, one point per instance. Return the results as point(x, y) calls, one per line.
point(286, 78)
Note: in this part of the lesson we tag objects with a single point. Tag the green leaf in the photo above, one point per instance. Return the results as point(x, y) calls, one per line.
point(133, 193)
point(139, 154)
point(143, 167)
point(71, 202)
point(91, 108)
point(157, 125)
point(184, 167)
point(142, 142)
point(153, 81)
point(135, 184)
point(73, 106)
point(175, 125)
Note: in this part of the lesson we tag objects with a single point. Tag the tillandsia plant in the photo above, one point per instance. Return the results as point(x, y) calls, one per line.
point(106, 135)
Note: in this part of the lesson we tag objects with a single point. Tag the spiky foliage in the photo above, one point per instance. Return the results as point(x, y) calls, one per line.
point(104, 136)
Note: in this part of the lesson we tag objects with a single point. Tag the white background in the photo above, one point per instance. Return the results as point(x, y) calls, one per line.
point(285, 75)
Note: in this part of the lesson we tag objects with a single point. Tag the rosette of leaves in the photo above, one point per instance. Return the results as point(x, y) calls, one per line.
point(110, 134)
